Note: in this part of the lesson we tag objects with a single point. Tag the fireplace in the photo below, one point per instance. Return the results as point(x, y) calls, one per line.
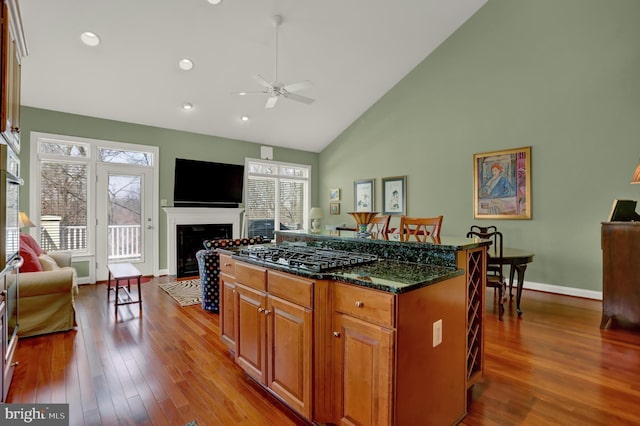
point(180, 216)
point(189, 241)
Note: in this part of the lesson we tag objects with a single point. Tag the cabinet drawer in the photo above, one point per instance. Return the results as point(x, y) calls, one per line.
point(227, 264)
point(251, 276)
point(370, 305)
point(289, 287)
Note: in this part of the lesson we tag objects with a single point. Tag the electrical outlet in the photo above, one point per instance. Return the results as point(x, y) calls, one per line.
point(437, 333)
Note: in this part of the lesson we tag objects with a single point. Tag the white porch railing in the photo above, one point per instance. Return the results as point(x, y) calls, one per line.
point(124, 241)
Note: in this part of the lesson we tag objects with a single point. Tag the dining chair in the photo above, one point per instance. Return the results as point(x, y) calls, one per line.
point(379, 227)
point(420, 228)
point(495, 271)
point(487, 230)
point(483, 229)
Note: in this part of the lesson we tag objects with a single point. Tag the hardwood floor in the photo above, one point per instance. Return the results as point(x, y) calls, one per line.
point(168, 367)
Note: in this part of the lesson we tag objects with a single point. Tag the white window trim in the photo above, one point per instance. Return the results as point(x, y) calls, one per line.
point(93, 145)
point(307, 179)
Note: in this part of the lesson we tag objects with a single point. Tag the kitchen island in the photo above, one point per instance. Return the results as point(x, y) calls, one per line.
point(383, 341)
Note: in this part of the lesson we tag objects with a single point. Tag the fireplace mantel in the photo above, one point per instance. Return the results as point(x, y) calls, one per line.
point(197, 216)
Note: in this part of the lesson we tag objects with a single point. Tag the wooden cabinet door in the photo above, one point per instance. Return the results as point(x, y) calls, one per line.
point(250, 327)
point(289, 343)
point(620, 272)
point(10, 103)
point(227, 311)
point(363, 372)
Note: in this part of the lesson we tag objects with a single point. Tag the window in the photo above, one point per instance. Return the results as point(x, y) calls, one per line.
point(63, 194)
point(66, 186)
point(121, 156)
point(277, 196)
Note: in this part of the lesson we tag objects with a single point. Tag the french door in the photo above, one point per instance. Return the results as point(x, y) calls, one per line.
point(124, 217)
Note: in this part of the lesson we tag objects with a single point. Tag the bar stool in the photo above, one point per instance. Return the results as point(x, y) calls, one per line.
point(420, 228)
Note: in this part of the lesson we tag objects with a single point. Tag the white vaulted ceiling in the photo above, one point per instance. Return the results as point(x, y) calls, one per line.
point(353, 51)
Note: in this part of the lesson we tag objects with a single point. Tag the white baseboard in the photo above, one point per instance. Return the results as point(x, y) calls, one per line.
point(558, 289)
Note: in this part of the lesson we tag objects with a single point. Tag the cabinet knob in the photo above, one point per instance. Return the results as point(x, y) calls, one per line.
point(359, 304)
point(227, 264)
point(267, 312)
point(261, 310)
point(336, 334)
point(14, 364)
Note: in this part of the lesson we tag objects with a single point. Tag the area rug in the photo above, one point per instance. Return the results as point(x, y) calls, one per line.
point(187, 292)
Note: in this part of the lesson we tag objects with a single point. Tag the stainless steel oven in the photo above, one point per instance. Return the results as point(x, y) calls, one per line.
point(9, 205)
point(10, 260)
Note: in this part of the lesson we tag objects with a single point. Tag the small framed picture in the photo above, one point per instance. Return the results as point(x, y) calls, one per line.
point(334, 194)
point(363, 193)
point(334, 208)
point(394, 195)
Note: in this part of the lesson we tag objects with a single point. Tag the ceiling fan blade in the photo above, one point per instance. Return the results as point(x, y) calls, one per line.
point(295, 87)
point(253, 92)
point(261, 80)
point(271, 102)
point(299, 98)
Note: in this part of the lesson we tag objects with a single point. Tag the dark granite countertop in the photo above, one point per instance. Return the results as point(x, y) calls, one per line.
point(387, 275)
point(452, 243)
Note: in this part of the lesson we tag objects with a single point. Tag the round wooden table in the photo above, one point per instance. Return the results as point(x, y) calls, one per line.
point(517, 260)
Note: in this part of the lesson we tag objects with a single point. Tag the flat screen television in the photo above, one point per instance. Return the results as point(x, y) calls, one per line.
point(207, 184)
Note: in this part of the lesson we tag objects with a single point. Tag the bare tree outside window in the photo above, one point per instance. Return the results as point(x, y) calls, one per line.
point(63, 205)
point(275, 189)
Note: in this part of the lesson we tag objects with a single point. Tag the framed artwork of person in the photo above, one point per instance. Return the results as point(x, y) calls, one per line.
point(363, 195)
point(394, 195)
point(502, 184)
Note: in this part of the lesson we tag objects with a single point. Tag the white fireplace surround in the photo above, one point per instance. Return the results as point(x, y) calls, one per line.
point(197, 216)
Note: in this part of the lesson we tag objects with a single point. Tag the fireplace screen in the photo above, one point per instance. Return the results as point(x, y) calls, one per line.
point(189, 241)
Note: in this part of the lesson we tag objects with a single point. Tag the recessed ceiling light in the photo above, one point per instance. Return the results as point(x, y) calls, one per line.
point(244, 118)
point(215, 1)
point(187, 106)
point(89, 38)
point(185, 64)
point(242, 93)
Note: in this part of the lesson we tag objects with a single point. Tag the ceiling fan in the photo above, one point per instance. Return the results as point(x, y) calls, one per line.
point(275, 89)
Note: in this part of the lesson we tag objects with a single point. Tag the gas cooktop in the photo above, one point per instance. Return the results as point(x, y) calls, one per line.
point(307, 258)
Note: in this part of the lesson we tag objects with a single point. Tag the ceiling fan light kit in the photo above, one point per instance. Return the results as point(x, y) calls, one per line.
point(275, 89)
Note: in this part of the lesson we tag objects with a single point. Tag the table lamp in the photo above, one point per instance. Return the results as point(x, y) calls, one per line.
point(636, 175)
point(24, 221)
point(315, 215)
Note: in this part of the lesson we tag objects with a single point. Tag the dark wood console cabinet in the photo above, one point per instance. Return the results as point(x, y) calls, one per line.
point(620, 272)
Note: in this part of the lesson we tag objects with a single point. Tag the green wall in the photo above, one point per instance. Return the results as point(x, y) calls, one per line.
point(561, 76)
point(171, 144)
